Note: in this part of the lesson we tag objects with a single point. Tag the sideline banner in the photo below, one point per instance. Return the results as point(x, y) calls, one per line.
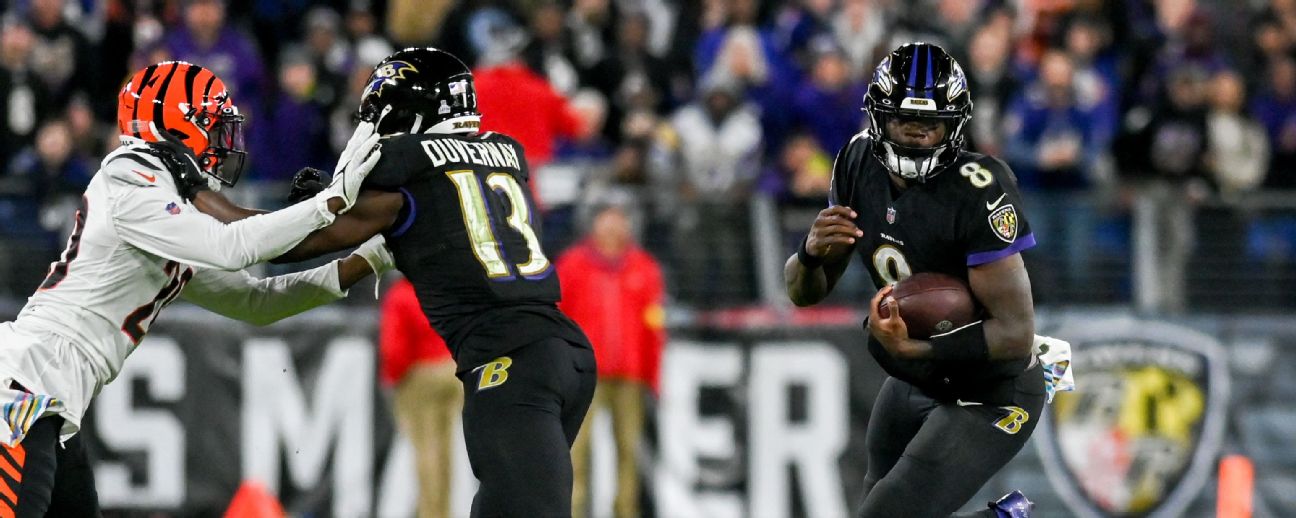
point(763, 423)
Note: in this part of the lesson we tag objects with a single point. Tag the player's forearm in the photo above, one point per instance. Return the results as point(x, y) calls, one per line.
point(805, 286)
point(351, 270)
point(218, 206)
point(1009, 338)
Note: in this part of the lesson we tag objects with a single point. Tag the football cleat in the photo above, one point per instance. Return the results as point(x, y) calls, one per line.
point(1012, 505)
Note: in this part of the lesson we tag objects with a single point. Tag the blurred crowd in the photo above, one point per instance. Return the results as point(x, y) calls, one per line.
point(686, 111)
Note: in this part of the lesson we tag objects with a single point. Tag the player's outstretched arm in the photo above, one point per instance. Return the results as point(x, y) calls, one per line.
point(373, 212)
point(240, 296)
point(813, 271)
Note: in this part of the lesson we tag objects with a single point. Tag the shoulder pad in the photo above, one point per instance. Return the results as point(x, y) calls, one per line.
point(135, 168)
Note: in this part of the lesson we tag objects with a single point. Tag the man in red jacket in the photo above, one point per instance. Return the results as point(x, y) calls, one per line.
point(613, 289)
point(427, 396)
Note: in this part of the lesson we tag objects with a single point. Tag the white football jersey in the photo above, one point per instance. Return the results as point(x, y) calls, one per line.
point(135, 246)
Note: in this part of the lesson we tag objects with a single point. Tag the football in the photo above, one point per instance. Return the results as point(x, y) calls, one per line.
point(931, 304)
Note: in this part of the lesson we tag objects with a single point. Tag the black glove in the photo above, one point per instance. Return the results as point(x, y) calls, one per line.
point(308, 182)
point(181, 163)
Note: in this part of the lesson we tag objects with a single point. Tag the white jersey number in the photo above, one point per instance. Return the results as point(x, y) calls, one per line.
point(477, 219)
point(891, 264)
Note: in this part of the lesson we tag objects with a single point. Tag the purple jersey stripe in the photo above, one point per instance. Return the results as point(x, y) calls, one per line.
point(409, 217)
point(981, 258)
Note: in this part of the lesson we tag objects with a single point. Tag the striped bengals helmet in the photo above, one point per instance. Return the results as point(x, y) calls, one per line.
point(192, 105)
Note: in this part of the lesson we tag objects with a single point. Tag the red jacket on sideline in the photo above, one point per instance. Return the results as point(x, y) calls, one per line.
point(618, 304)
point(404, 335)
point(521, 104)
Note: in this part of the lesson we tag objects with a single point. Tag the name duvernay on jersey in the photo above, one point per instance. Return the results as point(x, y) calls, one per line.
point(490, 154)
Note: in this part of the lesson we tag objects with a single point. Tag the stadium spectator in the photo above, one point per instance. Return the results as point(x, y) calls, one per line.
point(24, 99)
point(412, 23)
point(39, 175)
point(549, 53)
point(61, 56)
point(329, 53)
point(744, 58)
point(1238, 149)
point(290, 131)
point(716, 144)
point(523, 105)
point(631, 78)
point(592, 25)
point(861, 28)
point(1049, 128)
point(207, 40)
point(614, 290)
point(1173, 168)
point(1050, 142)
point(1275, 108)
point(993, 85)
point(1096, 77)
point(426, 395)
point(826, 104)
point(801, 175)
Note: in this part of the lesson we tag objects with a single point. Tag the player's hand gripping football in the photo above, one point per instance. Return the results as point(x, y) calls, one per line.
point(833, 233)
point(358, 158)
point(891, 331)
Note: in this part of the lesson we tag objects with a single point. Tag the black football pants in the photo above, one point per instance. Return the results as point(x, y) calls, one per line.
point(39, 477)
point(521, 414)
point(927, 458)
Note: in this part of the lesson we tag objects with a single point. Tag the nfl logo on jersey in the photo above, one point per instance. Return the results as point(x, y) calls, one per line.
point(890, 214)
point(172, 208)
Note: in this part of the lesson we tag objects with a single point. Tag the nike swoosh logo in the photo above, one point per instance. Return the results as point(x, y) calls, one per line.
point(149, 177)
point(991, 206)
point(960, 402)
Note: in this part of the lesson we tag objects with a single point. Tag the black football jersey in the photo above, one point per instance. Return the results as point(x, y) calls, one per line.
point(969, 214)
point(468, 240)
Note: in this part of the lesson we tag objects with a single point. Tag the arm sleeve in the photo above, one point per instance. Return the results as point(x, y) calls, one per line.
point(156, 220)
point(994, 226)
point(843, 182)
point(240, 296)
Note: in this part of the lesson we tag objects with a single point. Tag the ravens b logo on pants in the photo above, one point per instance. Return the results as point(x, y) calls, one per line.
point(494, 373)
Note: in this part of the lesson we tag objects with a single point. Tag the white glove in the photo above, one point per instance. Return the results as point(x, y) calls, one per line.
point(375, 252)
point(1055, 355)
point(354, 164)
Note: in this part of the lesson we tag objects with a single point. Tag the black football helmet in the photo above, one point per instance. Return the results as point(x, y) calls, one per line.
point(420, 90)
point(918, 81)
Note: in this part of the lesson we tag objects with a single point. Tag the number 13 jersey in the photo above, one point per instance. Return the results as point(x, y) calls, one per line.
point(468, 240)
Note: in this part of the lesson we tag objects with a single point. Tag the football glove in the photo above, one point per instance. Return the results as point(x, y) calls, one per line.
point(179, 160)
point(307, 183)
point(361, 154)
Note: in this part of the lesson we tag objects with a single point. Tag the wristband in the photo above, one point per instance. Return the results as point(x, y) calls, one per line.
point(807, 260)
point(966, 344)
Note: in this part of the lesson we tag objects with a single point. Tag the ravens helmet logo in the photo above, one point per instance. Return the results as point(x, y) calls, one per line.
point(387, 74)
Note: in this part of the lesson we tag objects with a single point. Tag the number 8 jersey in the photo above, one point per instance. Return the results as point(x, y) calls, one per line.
point(968, 215)
point(468, 239)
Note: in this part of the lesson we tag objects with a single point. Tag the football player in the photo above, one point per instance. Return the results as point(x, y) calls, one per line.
point(137, 245)
point(455, 207)
point(908, 198)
